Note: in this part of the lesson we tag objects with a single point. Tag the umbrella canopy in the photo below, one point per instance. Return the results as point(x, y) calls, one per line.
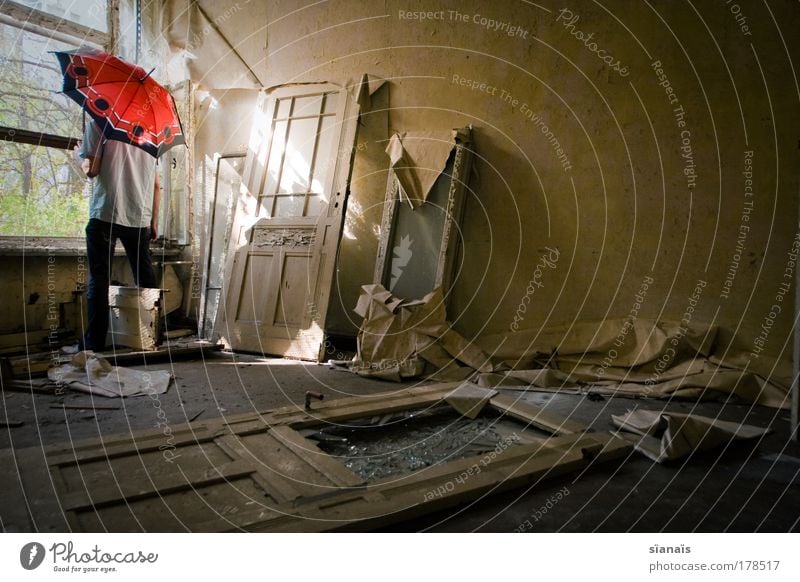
point(127, 103)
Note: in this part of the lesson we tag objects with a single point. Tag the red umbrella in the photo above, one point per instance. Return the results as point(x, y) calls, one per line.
point(125, 100)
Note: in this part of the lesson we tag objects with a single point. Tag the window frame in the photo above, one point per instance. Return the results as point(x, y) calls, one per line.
point(37, 22)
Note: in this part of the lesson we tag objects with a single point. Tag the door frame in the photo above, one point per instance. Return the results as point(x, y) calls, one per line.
point(449, 247)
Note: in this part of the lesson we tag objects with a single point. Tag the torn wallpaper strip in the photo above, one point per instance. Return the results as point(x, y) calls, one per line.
point(417, 158)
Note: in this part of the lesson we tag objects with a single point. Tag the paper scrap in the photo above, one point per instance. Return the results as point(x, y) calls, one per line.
point(667, 436)
point(417, 159)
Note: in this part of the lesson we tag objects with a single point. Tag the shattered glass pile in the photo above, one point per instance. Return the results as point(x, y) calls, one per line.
point(397, 444)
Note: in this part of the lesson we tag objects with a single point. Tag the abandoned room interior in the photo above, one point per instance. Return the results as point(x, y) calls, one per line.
point(422, 265)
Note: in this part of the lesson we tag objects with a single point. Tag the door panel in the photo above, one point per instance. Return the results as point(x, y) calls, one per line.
point(292, 298)
point(253, 298)
point(289, 219)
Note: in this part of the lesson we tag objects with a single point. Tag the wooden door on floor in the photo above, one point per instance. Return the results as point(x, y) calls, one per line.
point(265, 471)
point(288, 221)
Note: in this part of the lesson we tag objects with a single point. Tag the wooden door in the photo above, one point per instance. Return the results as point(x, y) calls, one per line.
point(288, 221)
point(261, 471)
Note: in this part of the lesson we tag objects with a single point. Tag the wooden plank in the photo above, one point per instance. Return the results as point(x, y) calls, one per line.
point(30, 338)
point(397, 500)
point(279, 489)
point(14, 516)
point(141, 467)
point(535, 415)
point(51, 25)
point(248, 423)
point(213, 507)
point(287, 468)
point(40, 489)
point(360, 407)
point(305, 489)
point(137, 443)
point(162, 485)
point(337, 473)
point(36, 365)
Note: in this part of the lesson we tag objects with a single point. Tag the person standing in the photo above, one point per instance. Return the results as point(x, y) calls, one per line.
point(124, 205)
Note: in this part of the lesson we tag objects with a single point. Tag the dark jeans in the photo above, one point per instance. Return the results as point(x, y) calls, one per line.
point(101, 238)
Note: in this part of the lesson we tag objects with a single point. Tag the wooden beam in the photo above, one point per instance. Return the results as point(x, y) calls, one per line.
point(535, 415)
point(159, 486)
point(45, 24)
point(37, 138)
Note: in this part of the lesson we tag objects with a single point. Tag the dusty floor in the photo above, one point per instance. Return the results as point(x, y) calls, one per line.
point(752, 486)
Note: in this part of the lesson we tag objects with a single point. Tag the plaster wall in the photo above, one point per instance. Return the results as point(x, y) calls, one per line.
point(630, 167)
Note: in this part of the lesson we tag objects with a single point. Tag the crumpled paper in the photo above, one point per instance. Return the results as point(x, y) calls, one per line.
point(417, 159)
point(469, 399)
point(667, 436)
point(398, 337)
point(92, 373)
point(636, 358)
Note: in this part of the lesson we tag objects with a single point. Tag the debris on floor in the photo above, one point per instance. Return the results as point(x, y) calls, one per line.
point(639, 358)
point(404, 339)
point(383, 447)
point(667, 436)
point(469, 399)
point(90, 372)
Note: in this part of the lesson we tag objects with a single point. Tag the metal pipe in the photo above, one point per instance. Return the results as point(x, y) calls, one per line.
point(315, 395)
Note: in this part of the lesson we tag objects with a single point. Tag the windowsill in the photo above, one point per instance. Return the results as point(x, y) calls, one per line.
point(68, 246)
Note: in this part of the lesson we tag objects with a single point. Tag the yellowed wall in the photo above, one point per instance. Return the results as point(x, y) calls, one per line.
point(617, 206)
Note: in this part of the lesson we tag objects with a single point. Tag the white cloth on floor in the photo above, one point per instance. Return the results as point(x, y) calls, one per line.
point(89, 372)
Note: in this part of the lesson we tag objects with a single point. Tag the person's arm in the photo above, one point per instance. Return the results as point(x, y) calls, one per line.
point(91, 150)
point(156, 201)
point(94, 163)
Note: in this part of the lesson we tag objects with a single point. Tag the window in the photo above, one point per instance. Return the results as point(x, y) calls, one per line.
point(44, 192)
point(303, 128)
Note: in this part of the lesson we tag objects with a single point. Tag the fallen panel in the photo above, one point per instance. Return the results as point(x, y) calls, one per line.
point(261, 472)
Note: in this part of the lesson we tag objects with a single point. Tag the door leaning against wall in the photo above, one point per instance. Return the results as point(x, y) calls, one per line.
point(288, 221)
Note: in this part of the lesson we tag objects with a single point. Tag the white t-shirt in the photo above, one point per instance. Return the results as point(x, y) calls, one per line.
point(122, 193)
